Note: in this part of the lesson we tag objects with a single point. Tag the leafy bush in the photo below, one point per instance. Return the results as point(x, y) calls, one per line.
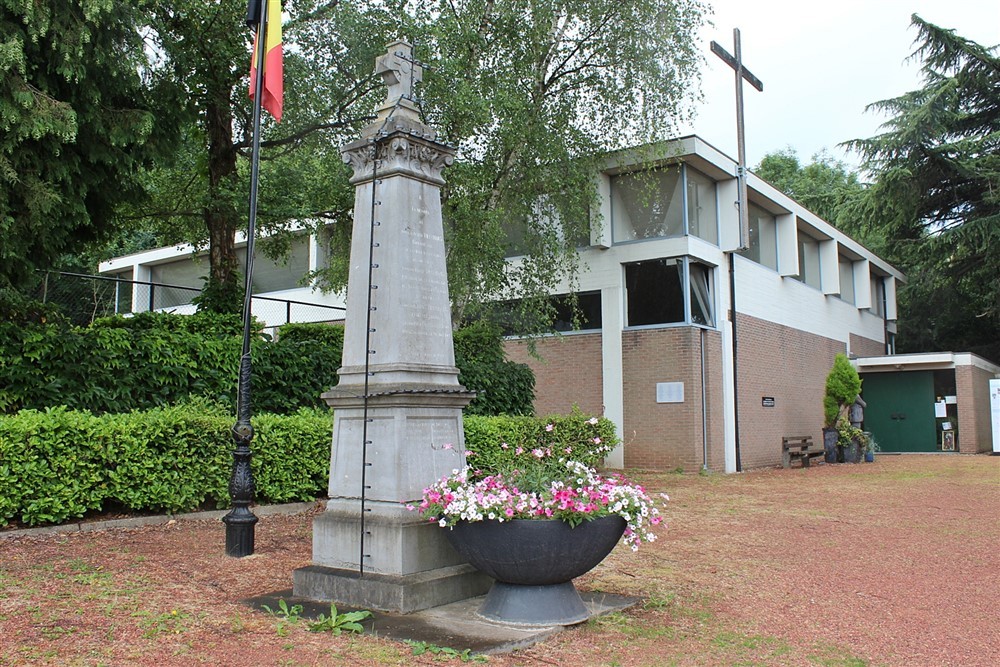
point(154, 359)
point(504, 387)
point(59, 464)
point(498, 441)
point(843, 384)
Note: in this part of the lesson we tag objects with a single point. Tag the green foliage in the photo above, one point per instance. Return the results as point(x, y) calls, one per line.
point(465, 655)
point(843, 386)
point(286, 615)
point(825, 186)
point(502, 386)
point(935, 195)
point(59, 464)
point(167, 358)
point(76, 127)
point(498, 442)
point(338, 623)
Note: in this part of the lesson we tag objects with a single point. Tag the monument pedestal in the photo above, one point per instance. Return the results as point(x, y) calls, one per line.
point(397, 424)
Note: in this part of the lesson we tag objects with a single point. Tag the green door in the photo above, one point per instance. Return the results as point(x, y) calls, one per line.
point(900, 410)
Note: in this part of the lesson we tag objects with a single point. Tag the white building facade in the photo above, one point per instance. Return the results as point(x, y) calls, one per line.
point(703, 355)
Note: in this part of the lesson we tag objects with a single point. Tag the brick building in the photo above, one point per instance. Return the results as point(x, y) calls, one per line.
point(663, 272)
point(658, 351)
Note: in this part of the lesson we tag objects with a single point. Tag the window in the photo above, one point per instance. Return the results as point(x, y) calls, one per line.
point(808, 261)
point(878, 296)
point(763, 240)
point(669, 291)
point(271, 275)
point(702, 210)
point(702, 303)
point(646, 204)
point(654, 292)
point(183, 272)
point(588, 312)
point(846, 267)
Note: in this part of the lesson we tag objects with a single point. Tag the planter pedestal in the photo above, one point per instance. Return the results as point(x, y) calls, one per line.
point(534, 563)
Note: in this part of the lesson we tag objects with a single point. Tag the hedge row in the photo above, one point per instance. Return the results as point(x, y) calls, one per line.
point(58, 464)
point(154, 359)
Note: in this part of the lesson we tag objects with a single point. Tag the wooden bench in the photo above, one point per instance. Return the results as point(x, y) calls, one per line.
point(799, 447)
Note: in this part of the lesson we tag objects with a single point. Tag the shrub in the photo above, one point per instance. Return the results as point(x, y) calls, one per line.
point(842, 387)
point(503, 387)
point(498, 441)
point(59, 464)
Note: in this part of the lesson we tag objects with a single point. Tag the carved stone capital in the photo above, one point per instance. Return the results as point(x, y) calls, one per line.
point(399, 153)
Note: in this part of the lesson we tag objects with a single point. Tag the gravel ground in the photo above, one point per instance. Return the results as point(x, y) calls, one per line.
point(891, 563)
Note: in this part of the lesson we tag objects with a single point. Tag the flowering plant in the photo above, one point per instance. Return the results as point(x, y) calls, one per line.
point(539, 484)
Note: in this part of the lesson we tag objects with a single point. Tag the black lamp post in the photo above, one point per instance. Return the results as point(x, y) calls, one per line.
point(240, 520)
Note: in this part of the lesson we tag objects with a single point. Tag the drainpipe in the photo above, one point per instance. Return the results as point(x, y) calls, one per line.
point(736, 393)
point(704, 411)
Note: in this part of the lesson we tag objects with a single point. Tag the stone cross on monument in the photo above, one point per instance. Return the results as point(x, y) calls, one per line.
point(397, 423)
point(400, 72)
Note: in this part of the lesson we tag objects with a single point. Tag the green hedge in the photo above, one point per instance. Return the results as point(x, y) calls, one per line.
point(503, 387)
point(59, 464)
point(153, 359)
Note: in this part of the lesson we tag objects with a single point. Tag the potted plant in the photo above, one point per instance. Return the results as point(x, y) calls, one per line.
point(537, 519)
point(870, 447)
point(842, 388)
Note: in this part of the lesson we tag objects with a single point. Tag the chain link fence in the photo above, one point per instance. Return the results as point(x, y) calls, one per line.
point(84, 298)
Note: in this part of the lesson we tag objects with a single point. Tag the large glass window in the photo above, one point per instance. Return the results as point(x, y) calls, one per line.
point(702, 210)
point(702, 303)
point(846, 267)
point(763, 240)
point(809, 261)
point(647, 204)
point(878, 296)
point(586, 316)
point(669, 291)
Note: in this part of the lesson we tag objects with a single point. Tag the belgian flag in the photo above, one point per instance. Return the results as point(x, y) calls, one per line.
point(273, 75)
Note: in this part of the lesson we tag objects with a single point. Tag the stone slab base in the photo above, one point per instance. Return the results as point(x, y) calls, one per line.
point(457, 625)
point(399, 594)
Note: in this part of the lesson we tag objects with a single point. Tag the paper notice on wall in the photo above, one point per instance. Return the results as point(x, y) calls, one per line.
point(951, 400)
point(946, 426)
point(940, 409)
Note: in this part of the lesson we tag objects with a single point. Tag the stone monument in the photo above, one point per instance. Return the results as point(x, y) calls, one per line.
point(397, 423)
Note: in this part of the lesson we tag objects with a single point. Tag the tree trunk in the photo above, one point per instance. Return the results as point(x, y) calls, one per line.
point(221, 217)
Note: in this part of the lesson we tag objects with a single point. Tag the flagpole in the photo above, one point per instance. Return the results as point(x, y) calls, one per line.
point(240, 521)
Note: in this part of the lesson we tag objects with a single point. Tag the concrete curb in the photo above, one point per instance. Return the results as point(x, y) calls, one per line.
point(157, 520)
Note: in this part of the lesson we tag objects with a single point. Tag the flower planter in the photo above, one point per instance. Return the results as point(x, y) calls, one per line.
point(534, 563)
point(852, 453)
point(869, 457)
point(830, 445)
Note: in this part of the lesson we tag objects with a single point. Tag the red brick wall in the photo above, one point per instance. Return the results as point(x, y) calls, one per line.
point(866, 347)
point(569, 372)
point(790, 366)
point(667, 436)
point(974, 429)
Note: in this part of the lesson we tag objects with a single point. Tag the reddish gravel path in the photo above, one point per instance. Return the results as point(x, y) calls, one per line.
point(894, 563)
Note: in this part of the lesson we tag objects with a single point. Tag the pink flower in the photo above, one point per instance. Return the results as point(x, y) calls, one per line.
point(597, 441)
point(549, 427)
point(504, 445)
point(538, 453)
point(592, 421)
point(519, 450)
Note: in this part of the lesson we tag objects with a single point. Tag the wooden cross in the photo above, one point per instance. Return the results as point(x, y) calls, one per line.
point(741, 174)
point(399, 71)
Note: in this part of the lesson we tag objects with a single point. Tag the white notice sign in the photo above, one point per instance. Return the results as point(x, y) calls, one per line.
point(669, 392)
point(995, 413)
point(940, 409)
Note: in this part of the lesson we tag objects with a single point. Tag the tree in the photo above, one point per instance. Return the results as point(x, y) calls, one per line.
point(825, 186)
point(200, 195)
point(76, 127)
point(935, 194)
point(533, 92)
point(536, 93)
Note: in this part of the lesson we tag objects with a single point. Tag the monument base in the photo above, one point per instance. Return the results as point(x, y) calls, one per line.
point(382, 592)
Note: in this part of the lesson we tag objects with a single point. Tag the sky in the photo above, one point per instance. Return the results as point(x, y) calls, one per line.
point(821, 65)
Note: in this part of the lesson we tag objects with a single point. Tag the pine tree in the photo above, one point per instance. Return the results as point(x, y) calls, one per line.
point(936, 194)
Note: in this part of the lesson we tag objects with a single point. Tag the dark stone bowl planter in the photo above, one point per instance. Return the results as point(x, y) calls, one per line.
point(534, 563)
point(830, 436)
